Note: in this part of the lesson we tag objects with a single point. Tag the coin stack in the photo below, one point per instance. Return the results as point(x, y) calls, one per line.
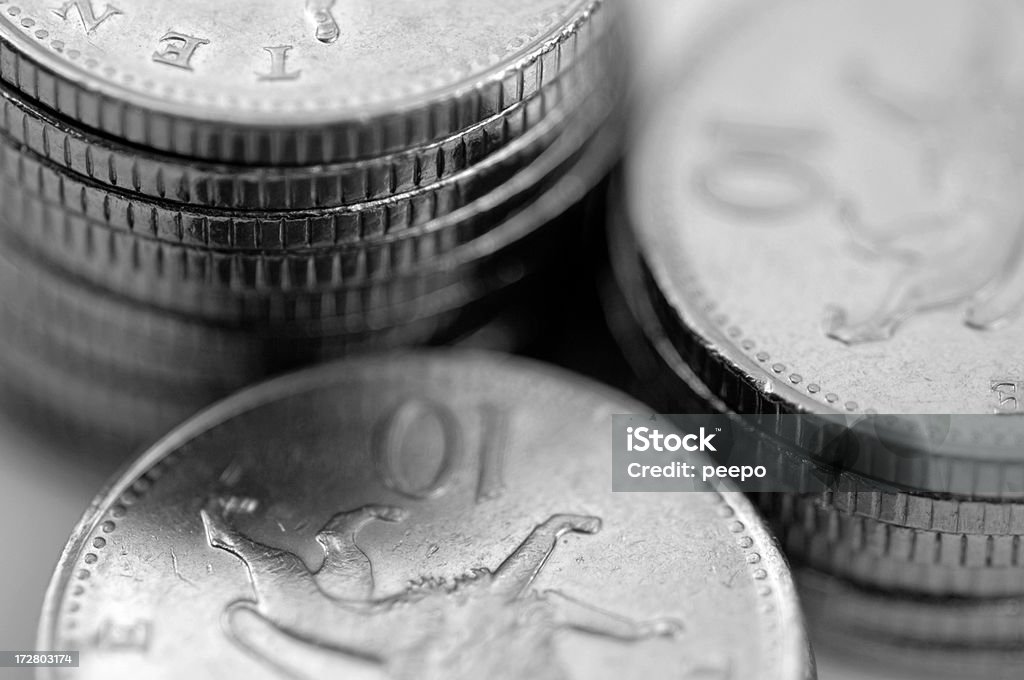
point(778, 250)
point(196, 195)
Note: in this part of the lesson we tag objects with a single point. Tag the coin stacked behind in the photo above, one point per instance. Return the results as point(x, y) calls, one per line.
point(756, 283)
point(186, 209)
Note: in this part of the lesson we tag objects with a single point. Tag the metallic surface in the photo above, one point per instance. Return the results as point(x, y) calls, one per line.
point(47, 190)
point(754, 239)
point(71, 221)
point(508, 245)
point(307, 526)
point(893, 557)
point(186, 215)
point(395, 75)
point(66, 339)
point(904, 542)
point(802, 245)
point(933, 514)
point(919, 572)
point(164, 177)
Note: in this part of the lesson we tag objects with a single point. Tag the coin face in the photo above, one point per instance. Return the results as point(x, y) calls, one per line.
point(416, 516)
point(841, 226)
point(253, 62)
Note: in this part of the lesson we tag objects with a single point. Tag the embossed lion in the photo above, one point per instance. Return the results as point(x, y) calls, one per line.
point(486, 624)
point(968, 248)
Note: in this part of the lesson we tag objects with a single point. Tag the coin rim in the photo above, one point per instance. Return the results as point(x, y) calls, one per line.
point(75, 75)
point(42, 133)
point(176, 128)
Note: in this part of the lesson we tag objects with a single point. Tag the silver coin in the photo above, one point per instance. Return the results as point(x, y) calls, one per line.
point(93, 318)
point(906, 542)
point(79, 334)
point(751, 244)
point(104, 238)
point(780, 210)
point(486, 243)
point(352, 225)
point(298, 83)
point(753, 237)
point(308, 525)
point(889, 556)
point(929, 513)
point(164, 177)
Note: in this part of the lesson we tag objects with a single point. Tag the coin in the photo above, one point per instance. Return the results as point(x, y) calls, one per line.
point(733, 134)
point(98, 234)
point(376, 492)
point(491, 243)
point(900, 541)
point(761, 281)
point(882, 555)
point(754, 244)
point(67, 193)
point(85, 330)
point(928, 513)
point(509, 237)
point(225, 199)
point(380, 79)
point(163, 177)
point(940, 547)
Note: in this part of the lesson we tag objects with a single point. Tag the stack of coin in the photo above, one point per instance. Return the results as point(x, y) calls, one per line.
point(195, 195)
point(817, 222)
point(427, 515)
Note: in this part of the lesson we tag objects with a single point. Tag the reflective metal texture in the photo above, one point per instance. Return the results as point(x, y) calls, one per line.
point(425, 515)
point(229, 191)
point(146, 173)
point(769, 180)
point(384, 78)
point(818, 220)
